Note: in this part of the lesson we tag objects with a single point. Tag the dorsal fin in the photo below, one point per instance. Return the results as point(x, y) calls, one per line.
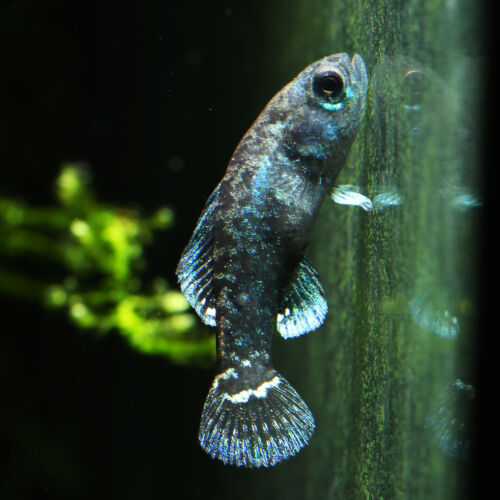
point(195, 269)
point(304, 305)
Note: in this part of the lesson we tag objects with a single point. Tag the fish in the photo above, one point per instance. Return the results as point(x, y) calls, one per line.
point(244, 270)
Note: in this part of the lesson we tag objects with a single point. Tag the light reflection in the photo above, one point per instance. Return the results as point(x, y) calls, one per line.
point(434, 319)
point(451, 420)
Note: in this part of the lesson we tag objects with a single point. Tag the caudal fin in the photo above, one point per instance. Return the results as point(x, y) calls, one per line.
point(256, 427)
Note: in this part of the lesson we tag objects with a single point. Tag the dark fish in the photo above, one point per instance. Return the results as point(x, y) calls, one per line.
point(244, 270)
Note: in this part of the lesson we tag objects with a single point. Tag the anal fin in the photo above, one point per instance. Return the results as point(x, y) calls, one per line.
point(304, 305)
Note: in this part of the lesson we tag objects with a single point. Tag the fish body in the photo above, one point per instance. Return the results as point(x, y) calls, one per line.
point(244, 270)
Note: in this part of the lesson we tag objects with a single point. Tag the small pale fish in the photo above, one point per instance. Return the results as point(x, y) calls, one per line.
point(244, 270)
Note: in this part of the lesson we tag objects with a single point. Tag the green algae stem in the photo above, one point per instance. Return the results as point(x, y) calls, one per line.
point(394, 276)
point(87, 258)
point(401, 279)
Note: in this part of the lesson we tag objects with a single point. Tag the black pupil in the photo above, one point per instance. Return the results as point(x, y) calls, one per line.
point(330, 86)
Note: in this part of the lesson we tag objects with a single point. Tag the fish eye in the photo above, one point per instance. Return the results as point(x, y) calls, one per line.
point(328, 85)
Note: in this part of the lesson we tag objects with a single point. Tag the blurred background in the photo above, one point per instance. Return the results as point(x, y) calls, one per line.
point(143, 106)
point(117, 121)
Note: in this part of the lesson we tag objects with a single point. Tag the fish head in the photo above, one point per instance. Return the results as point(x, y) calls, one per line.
point(328, 99)
point(337, 85)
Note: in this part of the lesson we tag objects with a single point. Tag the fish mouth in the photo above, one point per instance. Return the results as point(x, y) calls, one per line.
point(359, 73)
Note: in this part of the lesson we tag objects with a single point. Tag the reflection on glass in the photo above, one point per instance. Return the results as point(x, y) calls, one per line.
point(431, 318)
point(451, 422)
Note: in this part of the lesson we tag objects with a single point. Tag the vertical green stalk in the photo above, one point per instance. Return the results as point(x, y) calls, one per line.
point(384, 372)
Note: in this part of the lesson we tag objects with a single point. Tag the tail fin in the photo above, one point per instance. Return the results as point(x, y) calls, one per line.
point(256, 427)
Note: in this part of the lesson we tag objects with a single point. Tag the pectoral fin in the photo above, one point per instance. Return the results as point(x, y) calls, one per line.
point(346, 194)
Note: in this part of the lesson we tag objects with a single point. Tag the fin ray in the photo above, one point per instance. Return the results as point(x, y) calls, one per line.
point(304, 305)
point(194, 270)
point(347, 194)
point(256, 427)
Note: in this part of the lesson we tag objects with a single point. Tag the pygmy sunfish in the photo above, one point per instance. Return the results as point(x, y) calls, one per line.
point(244, 270)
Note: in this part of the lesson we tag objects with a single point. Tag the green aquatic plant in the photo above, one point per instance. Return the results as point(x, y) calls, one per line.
point(86, 257)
